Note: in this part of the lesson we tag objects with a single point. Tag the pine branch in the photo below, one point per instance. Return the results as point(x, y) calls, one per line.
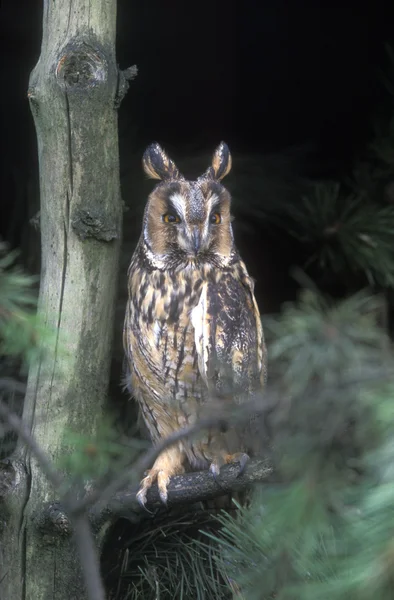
point(344, 232)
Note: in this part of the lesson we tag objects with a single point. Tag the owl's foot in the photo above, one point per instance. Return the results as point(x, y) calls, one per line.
point(226, 459)
point(169, 463)
point(162, 478)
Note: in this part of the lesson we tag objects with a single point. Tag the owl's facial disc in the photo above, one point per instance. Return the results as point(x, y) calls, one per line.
point(189, 207)
point(187, 220)
point(198, 209)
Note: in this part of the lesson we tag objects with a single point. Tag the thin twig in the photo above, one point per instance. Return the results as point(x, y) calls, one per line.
point(88, 556)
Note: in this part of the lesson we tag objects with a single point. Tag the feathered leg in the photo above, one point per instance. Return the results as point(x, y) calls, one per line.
point(169, 463)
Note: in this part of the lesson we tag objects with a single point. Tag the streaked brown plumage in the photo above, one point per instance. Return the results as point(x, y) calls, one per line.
point(192, 325)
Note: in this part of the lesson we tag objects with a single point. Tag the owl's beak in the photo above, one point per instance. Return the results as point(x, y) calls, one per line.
point(196, 239)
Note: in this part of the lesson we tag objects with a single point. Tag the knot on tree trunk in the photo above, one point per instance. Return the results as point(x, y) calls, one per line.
point(52, 521)
point(89, 223)
point(81, 65)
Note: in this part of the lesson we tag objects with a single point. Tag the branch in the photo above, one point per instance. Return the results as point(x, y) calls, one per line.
point(101, 496)
point(90, 561)
point(190, 488)
point(220, 417)
point(185, 489)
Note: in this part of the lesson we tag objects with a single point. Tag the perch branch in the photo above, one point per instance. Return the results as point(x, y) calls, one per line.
point(189, 488)
point(185, 489)
point(217, 418)
point(102, 496)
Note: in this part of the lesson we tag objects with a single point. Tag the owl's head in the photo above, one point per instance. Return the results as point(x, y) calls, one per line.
point(187, 222)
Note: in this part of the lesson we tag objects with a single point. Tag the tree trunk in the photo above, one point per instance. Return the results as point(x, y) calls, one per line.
point(73, 94)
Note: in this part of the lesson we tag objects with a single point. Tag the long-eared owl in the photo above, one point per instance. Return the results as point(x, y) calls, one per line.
point(192, 328)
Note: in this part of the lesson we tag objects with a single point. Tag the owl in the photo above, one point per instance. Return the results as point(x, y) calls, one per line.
point(192, 329)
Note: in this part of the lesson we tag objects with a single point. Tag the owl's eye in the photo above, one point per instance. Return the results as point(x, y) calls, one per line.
point(215, 218)
point(171, 218)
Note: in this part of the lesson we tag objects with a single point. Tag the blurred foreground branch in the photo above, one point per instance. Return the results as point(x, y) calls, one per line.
point(106, 503)
point(82, 531)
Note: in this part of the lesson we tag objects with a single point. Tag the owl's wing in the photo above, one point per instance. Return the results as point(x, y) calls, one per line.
point(229, 336)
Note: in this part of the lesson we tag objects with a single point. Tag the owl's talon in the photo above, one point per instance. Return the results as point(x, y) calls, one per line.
point(141, 495)
point(240, 457)
point(155, 475)
point(141, 499)
point(162, 482)
point(215, 467)
point(243, 459)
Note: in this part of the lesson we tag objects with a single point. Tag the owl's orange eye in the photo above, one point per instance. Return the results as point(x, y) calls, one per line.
point(215, 218)
point(171, 218)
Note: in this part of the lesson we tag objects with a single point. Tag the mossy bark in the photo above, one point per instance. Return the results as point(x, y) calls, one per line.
point(73, 93)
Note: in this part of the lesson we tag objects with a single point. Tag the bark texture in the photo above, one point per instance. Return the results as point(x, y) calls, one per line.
point(73, 93)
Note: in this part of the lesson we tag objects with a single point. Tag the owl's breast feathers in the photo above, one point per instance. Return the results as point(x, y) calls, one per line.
point(188, 332)
point(228, 335)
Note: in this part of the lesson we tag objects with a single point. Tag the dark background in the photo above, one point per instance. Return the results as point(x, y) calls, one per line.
point(264, 76)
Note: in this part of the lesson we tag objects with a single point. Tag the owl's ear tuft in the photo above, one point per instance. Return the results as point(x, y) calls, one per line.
point(221, 163)
point(158, 165)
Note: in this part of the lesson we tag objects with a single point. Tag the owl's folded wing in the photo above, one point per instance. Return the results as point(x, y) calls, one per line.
point(229, 337)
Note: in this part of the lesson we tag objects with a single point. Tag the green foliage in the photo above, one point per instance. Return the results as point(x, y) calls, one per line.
point(18, 328)
point(345, 232)
point(15, 285)
point(320, 340)
point(104, 456)
point(326, 531)
point(19, 335)
point(322, 355)
point(277, 543)
point(23, 335)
